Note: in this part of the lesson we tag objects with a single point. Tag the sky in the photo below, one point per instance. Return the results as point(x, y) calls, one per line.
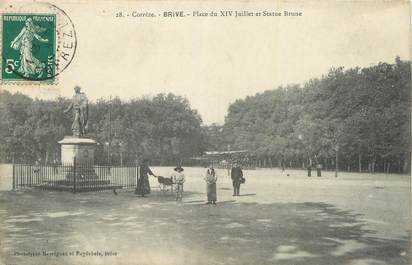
point(212, 61)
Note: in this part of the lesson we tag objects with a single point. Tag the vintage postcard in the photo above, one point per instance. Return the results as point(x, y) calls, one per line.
point(205, 132)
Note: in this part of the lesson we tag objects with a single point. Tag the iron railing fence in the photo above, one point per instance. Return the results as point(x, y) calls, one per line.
point(74, 177)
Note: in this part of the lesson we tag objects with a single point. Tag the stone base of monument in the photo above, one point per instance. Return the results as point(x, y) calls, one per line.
point(81, 186)
point(77, 156)
point(81, 149)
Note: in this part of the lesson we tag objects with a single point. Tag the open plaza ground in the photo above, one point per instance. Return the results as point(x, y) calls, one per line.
point(280, 218)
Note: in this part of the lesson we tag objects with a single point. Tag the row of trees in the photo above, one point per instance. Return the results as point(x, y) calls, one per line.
point(358, 119)
point(163, 128)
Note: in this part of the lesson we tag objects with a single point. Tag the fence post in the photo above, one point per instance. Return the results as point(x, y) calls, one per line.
point(14, 177)
point(137, 174)
point(74, 175)
point(30, 175)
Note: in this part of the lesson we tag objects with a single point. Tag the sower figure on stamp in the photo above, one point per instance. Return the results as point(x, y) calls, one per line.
point(80, 108)
point(29, 65)
point(236, 175)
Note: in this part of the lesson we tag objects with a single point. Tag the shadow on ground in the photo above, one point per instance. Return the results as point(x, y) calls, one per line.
point(247, 194)
point(189, 232)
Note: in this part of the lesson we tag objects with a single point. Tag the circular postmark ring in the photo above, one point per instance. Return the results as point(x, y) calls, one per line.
point(31, 41)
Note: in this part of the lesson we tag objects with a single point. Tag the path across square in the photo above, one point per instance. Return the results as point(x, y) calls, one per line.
point(279, 219)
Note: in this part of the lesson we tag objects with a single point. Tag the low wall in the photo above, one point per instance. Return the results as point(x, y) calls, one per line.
point(6, 177)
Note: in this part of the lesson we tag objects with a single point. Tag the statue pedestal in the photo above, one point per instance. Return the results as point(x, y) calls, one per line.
point(81, 149)
point(77, 156)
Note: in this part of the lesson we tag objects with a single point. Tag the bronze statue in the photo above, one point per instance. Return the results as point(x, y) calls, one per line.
point(80, 108)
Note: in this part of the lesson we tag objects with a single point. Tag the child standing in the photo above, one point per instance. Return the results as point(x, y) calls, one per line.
point(178, 179)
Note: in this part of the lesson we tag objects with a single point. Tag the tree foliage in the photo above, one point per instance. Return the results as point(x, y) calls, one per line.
point(163, 128)
point(362, 113)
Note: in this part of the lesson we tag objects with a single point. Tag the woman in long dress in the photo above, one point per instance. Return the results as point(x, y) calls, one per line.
point(29, 65)
point(143, 186)
point(211, 179)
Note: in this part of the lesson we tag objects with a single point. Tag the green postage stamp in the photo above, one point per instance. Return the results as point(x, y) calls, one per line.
point(28, 47)
point(38, 42)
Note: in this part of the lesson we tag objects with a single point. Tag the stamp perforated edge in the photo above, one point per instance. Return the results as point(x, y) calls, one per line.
point(26, 81)
point(58, 42)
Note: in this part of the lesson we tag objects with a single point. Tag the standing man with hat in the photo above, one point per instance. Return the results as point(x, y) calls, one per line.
point(237, 175)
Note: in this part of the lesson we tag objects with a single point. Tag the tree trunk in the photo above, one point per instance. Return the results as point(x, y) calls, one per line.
point(360, 159)
point(336, 163)
point(405, 165)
